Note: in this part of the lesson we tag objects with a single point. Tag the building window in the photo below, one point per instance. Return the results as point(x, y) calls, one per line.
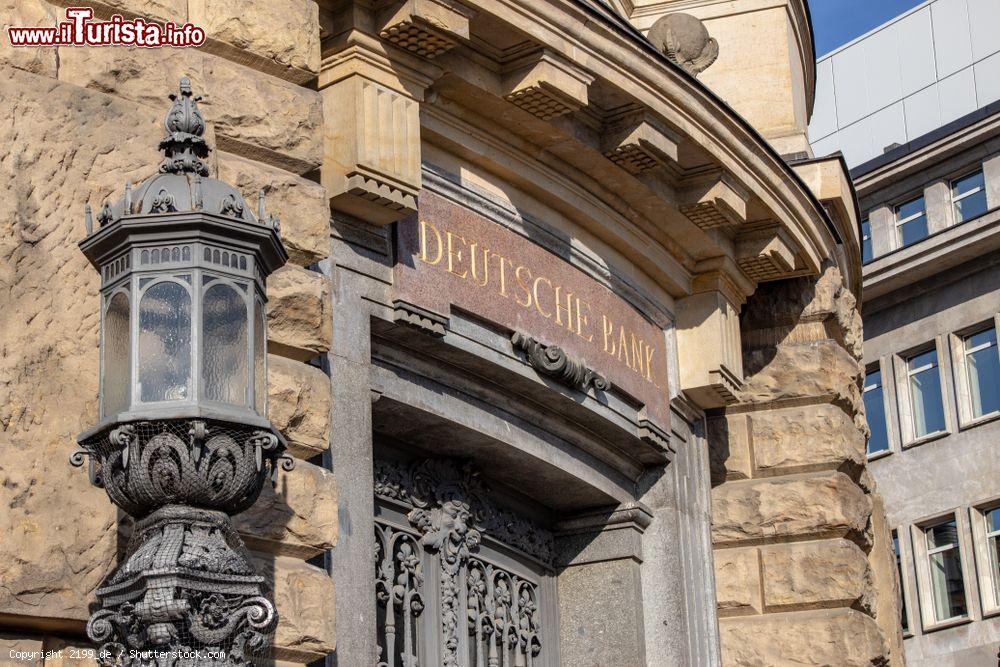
point(866, 241)
point(875, 412)
point(923, 382)
point(968, 195)
point(982, 370)
point(911, 221)
point(904, 620)
point(986, 531)
point(944, 561)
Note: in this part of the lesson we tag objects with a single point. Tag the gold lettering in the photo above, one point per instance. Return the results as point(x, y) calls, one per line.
point(608, 329)
point(649, 363)
point(486, 265)
point(452, 255)
point(568, 309)
point(523, 285)
point(503, 273)
point(581, 320)
point(637, 359)
point(623, 346)
point(424, 257)
point(538, 302)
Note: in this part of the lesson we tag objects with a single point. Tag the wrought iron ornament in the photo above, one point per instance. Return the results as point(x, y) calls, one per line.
point(553, 361)
point(451, 514)
point(183, 461)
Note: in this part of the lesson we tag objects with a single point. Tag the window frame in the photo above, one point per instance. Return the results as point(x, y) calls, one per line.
point(989, 588)
point(904, 556)
point(904, 399)
point(863, 237)
point(925, 587)
point(898, 223)
point(955, 200)
point(959, 358)
point(886, 401)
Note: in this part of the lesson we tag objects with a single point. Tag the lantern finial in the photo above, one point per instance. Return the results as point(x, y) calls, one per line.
point(184, 145)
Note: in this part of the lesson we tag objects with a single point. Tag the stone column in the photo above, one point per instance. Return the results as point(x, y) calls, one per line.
point(937, 199)
point(796, 550)
point(991, 174)
point(883, 230)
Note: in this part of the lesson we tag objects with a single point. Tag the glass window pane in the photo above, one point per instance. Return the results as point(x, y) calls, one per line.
point(942, 535)
point(966, 184)
point(993, 546)
point(903, 619)
point(925, 394)
point(983, 367)
point(225, 340)
point(117, 362)
point(970, 206)
point(913, 231)
point(910, 208)
point(260, 361)
point(165, 343)
point(866, 241)
point(993, 520)
point(875, 413)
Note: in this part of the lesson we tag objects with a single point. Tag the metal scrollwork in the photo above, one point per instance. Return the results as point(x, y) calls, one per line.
point(553, 361)
point(163, 202)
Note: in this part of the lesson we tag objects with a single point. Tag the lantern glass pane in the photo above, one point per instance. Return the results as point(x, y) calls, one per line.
point(224, 340)
point(260, 361)
point(117, 367)
point(165, 343)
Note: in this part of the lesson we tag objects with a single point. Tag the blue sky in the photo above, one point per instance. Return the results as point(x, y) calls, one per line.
point(836, 22)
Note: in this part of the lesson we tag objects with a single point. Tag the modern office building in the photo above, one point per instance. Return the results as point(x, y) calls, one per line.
point(913, 106)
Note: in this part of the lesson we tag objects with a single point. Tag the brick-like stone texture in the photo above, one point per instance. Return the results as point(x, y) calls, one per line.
point(817, 574)
point(62, 143)
point(284, 33)
point(298, 404)
point(298, 309)
point(737, 581)
point(820, 504)
point(301, 204)
point(304, 596)
point(841, 637)
point(297, 517)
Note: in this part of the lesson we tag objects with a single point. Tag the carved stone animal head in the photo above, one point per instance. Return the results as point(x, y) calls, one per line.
point(685, 41)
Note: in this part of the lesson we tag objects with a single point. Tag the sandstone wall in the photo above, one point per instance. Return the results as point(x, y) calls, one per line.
point(78, 123)
point(803, 569)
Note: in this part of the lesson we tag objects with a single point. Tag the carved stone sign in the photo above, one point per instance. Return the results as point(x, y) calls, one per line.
point(450, 256)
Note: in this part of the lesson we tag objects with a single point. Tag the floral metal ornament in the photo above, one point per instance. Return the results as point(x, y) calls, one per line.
point(183, 442)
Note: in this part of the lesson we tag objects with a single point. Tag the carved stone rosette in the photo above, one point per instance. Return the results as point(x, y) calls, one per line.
point(186, 592)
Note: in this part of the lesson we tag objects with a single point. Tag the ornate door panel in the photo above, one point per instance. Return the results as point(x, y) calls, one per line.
point(460, 581)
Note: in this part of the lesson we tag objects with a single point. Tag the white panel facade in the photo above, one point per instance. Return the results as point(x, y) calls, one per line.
point(952, 42)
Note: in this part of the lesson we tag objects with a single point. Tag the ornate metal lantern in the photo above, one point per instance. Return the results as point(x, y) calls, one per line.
point(183, 441)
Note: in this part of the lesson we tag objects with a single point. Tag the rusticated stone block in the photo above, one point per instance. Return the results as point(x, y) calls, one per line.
point(298, 310)
point(729, 447)
point(800, 370)
point(283, 33)
point(824, 573)
point(20, 650)
point(54, 559)
point(805, 438)
point(296, 517)
point(737, 581)
point(299, 399)
point(301, 204)
point(160, 10)
point(38, 60)
point(842, 637)
point(821, 504)
point(304, 598)
point(280, 123)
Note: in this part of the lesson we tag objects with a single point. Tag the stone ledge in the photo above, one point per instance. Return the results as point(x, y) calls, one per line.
point(297, 517)
point(299, 400)
point(817, 505)
point(815, 574)
point(300, 324)
point(737, 581)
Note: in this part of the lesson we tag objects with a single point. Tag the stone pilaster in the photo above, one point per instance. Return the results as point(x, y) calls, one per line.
point(796, 550)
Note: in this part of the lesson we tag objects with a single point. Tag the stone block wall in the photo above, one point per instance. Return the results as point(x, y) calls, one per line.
point(80, 122)
point(801, 551)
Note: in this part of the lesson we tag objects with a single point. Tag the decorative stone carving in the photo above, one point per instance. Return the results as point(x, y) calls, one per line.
point(420, 318)
point(427, 28)
point(685, 41)
point(764, 252)
point(451, 513)
point(715, 202)
point(636, 143)
point(545, 85)
point(553, 361)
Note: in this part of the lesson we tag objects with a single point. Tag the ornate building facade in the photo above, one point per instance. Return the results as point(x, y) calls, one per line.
point(567, 348)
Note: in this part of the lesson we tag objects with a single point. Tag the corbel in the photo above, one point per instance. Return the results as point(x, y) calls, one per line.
point(545, 84)
point(637, 143)
point(425, 28)
point(714, 201)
